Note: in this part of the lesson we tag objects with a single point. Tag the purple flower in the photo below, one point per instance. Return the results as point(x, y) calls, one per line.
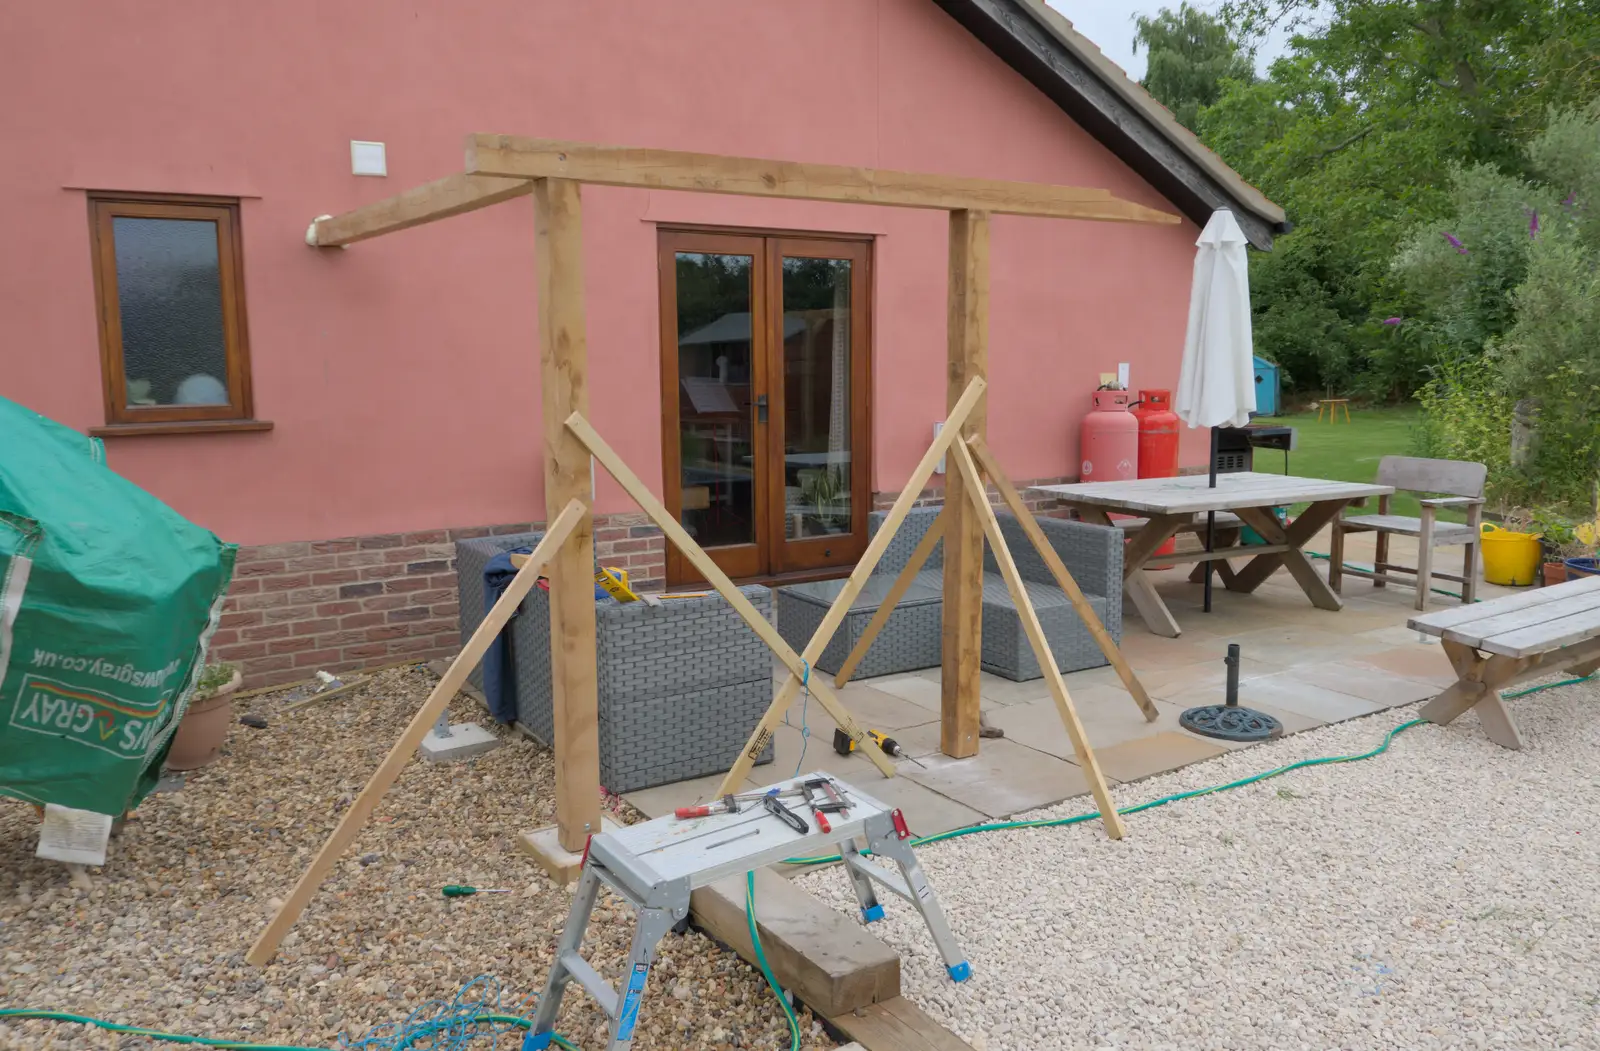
point(1533, 222)
point(1391, 321)
point(1459, 247)
point(1572, 199)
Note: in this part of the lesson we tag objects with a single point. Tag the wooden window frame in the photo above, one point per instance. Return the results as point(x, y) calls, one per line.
point(122, 418)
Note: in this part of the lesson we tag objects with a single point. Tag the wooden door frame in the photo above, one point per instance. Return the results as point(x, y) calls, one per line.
point(669, 242)
point(802, 556)
point(767, 245)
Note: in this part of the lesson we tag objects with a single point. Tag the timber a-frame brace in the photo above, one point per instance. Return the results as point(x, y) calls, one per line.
point(500, 167)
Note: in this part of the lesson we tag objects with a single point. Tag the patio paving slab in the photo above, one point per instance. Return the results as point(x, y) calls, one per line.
point(1377, 685)
point(1145, 756)
point(1423, 663)
point(1004, 778)
point(1109, 717)
point(1287, 690)
point(870, 706)
point(924, 692)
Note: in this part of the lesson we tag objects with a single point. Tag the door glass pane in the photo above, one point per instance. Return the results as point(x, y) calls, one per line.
point(169, 296)
point(816, 397)
point(716, 442)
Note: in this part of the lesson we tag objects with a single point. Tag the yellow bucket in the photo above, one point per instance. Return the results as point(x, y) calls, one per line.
point(1509, 558)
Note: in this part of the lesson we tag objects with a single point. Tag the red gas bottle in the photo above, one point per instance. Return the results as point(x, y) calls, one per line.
point(1158, 442)
point(1158, 434)
point(1110, 439)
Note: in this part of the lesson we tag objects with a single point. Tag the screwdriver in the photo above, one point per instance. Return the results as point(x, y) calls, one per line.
point(457, 890)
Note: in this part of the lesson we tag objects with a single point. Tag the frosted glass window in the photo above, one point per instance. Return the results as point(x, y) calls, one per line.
point(172, 334)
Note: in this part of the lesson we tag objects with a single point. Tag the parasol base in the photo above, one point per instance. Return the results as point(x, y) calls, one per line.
point(1231, 723)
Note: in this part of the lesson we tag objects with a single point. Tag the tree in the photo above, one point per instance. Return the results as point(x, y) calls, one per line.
point(1191, 54)
point(1357, 131)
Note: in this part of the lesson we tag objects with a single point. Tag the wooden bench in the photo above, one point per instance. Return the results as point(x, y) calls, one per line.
point(1498, 643)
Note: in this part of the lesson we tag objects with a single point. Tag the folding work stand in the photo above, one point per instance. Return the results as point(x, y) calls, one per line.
point(655, 865)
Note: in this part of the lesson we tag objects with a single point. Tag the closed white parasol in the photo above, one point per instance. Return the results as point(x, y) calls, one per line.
point(1216, 387)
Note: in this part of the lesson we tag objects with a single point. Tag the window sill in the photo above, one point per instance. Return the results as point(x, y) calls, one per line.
point(120, 430)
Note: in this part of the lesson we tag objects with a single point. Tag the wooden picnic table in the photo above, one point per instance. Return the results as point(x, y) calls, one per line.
point(1164, 507)
point(1494, 644)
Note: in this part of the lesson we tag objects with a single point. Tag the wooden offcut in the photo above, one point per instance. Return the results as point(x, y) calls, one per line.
point(827, 959)
point(961, 642)
point(526, 158)
point(384, 777)
point(978, 498)
point(896, 1024)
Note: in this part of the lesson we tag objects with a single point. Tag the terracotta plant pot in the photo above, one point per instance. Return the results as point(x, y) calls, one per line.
point(204, 728)
point(1554, 573)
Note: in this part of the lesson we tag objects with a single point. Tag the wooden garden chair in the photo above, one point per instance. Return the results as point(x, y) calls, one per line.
point(1461, 482)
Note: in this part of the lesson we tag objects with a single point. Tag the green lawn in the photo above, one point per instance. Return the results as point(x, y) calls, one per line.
point(1348, 452)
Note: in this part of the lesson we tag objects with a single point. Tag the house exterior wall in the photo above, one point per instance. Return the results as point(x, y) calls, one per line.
point(402, 374)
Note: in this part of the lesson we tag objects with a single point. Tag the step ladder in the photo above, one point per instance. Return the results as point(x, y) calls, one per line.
point(654, 866)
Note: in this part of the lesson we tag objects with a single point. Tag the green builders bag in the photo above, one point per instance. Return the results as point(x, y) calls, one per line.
point(107, 600)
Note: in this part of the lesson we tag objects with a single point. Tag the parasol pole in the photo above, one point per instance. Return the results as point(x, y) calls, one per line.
point(1211, 520)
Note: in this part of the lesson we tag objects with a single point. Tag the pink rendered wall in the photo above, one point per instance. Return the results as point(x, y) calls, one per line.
point(401, 374)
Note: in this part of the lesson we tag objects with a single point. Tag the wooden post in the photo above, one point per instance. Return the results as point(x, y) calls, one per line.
point(963, 542)
point(389, 770)
point(563, 374)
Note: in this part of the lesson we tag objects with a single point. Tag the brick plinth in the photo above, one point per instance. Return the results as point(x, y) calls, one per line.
point(356, 602)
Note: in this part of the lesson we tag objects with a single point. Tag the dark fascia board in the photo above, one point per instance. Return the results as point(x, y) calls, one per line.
point(1012, 30)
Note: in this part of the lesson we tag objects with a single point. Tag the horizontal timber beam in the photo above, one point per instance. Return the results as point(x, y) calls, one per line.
point(452, 195)
point(511, 156)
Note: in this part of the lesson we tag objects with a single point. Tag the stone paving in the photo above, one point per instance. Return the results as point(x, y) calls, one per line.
point(1306, 666)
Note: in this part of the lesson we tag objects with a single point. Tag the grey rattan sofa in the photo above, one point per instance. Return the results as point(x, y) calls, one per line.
point(911, 637)
point(681, 685)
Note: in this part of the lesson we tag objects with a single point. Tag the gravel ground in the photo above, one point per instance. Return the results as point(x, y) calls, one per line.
point(1444, 895)
point(159, 941)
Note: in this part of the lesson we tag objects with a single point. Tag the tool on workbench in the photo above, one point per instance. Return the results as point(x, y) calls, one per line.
point(457, 890)
point(783, 813)
point(844, 745)
point(734, 839)
point(727, 804)
point(822, 799)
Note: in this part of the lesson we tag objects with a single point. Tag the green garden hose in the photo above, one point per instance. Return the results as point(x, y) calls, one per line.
point(750, 895)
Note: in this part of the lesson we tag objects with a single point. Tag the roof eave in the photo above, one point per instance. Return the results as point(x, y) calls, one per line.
point(1042, 46)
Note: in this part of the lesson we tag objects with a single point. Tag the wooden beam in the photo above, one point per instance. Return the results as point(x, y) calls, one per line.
point(897, 590)
point(517, 157)
point(680, 538)
point(962, 613)
point(853, 584)
point(388, 771)
point(564, 377)
point(1041, 646)
point(452, 195)
point(1058, 569)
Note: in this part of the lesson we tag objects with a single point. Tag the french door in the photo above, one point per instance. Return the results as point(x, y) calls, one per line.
point(765, 355)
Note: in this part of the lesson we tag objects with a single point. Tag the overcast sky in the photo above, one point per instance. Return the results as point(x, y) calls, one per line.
point(1109, 23)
